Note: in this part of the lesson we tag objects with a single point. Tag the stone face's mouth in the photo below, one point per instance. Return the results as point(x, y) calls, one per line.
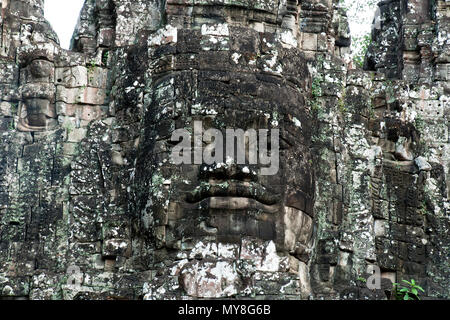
point(233, 209)
point(230, 218)
point(233, 195)
point(235, 203)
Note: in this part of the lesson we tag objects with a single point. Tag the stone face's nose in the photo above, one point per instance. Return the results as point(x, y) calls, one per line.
point(223, 171)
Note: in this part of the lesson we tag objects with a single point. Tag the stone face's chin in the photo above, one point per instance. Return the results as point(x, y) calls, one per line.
point(218, 270)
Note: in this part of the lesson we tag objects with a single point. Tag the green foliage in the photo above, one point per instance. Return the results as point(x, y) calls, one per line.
point(12, 126)
point(360, 14)
point(409, 290)
point(423, 208)
point(371, 110)
point(91, 66)
point(317, 87)
point(316, 93)
point(341, 103)
point(91, 69)
point(14, 107)
point(362, 279)
point(343, 5)
point(105, 56)
point(419, 124)
point(361, 45)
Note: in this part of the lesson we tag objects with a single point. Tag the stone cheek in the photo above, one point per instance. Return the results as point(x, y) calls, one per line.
point(298, 233)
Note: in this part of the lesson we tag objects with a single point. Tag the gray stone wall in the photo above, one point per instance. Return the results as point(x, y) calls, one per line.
point(91, 208)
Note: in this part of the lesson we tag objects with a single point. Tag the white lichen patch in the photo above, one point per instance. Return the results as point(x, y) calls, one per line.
point(235, 57)
point(220, 29)
point(297, 122)
point(163, 36)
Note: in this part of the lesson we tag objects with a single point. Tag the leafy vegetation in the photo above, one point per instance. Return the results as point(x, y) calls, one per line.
point(316, 93)
point(105, 56)
point(363, 280)
point(91, 66)
point(408, 290)
point(341, 103)
point(360, 14)
point(419, 123)
point(11, 125)
point(361, 44)
point(91, 69)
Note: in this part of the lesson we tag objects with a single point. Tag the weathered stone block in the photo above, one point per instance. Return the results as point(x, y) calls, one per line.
point(309, 41)
point(76, 135)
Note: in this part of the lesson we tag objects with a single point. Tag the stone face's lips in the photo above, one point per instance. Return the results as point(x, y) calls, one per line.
point(233, 189)
point(235, 203)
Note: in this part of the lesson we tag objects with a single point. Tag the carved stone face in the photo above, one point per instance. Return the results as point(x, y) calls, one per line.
point(245, 82)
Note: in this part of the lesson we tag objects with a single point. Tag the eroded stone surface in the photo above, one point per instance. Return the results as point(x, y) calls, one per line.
point(92, 208)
